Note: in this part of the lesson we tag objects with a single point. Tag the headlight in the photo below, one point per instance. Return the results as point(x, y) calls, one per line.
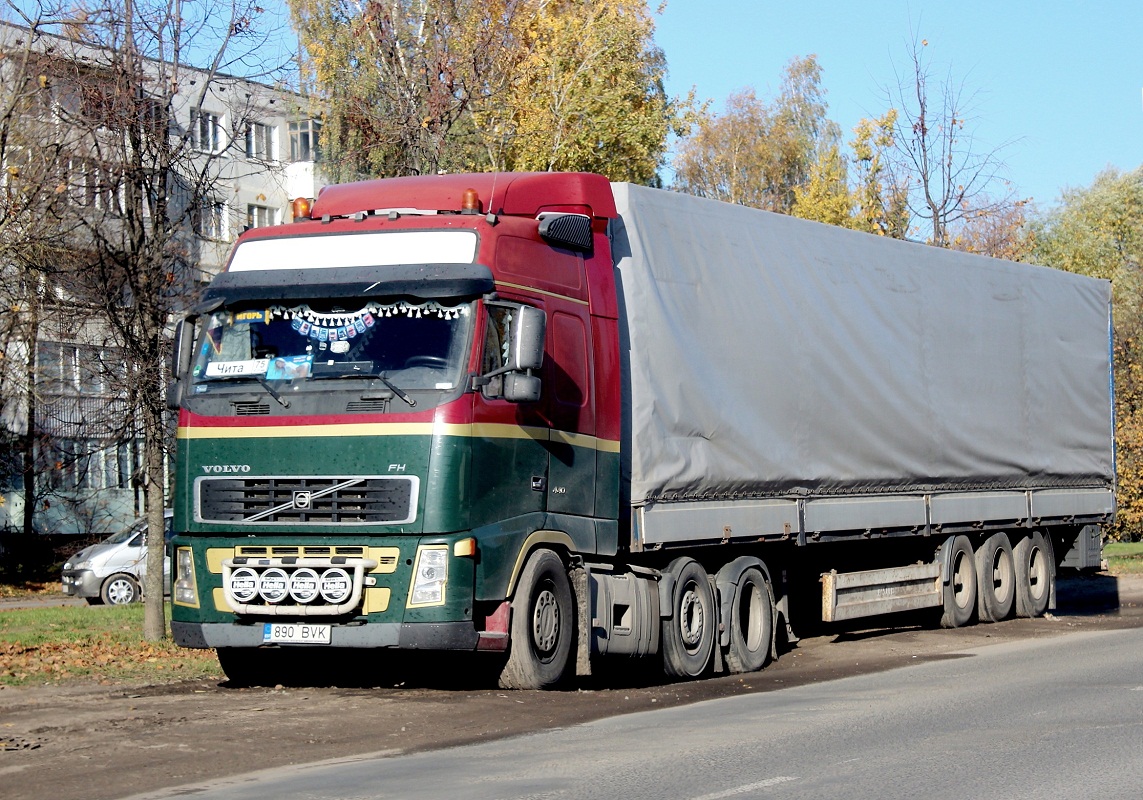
point(184, 591)
point(79, 565)
point(430, 574)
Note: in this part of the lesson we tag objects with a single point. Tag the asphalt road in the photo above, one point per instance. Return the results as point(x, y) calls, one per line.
point(1041, 718)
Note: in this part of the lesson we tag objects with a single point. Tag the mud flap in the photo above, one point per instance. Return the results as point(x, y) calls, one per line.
point(581, 587)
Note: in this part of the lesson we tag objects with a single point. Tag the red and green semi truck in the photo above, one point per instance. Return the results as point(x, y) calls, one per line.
point(556, 418)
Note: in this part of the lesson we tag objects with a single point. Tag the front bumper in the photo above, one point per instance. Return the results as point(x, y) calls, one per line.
point(404, 635)
point(81, 583)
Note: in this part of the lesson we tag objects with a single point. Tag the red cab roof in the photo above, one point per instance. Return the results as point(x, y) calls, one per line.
point(523, 194)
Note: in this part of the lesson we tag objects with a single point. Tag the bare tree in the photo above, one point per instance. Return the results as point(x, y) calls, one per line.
point(934, 153)
point(138, 85)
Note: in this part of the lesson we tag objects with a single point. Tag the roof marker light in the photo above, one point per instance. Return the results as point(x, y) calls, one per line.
point(470, 202)
point(301, 209)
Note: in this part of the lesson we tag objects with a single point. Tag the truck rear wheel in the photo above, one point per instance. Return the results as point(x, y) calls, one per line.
point(542, 625)
point(751, 623)
point(688, 634)
point(1033, 575)
point(995, 579)
point(960, 582)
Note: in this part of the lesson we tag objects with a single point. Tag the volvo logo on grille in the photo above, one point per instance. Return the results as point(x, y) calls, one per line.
point(216, 468)
point(303, 499)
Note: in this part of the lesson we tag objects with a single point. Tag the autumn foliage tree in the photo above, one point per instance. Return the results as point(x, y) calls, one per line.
point(507, 84)
point(1098, 231)
point(587, 95)
point(761, 154)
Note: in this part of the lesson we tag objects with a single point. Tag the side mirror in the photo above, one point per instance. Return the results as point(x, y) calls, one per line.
point(181, 354)
point(521, 388)
point(528, 338)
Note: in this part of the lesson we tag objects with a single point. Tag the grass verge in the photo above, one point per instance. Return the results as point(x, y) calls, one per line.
point(91, 644)
point(1124, 558)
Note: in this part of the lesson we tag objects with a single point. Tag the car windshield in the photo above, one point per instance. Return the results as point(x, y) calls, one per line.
point(126, 534)
point(415, 345)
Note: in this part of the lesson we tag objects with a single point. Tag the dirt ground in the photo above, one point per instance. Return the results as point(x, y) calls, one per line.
point(97, 742)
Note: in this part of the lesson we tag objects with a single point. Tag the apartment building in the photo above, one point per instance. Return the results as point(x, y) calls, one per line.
point(64, 376)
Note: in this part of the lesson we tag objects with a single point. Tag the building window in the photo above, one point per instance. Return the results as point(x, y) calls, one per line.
point(206, 131)
point(210, 219)
point(80, 369)
point(260, 142)
point(93, 464)
point(304, 144)
point(260, 216)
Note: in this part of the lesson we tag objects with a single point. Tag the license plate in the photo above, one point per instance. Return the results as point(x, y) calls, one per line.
point(294, 633)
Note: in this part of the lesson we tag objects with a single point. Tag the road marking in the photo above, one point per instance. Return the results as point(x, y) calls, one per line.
point(750, 787)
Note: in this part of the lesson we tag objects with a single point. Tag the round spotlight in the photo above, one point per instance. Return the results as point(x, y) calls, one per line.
point(336, 586)
point(304, 585)
point(273, 585)
point(244, 584)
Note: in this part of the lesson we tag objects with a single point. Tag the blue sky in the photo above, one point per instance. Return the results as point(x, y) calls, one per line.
point(1061, 81)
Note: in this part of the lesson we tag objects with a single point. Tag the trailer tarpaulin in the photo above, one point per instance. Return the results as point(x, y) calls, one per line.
point(770, 356)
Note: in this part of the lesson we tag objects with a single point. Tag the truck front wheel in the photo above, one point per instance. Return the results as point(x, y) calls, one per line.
point(688, 634)
point(542, 625)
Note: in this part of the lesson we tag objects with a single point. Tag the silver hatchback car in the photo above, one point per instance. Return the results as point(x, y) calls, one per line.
point(112, 571)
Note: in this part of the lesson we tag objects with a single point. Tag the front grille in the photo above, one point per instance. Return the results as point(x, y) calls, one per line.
point(278, 500)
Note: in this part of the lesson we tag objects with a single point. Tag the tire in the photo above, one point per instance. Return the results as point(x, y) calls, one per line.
point(995, 579)
point(688, 634)
point(542, 627)
point(1034, 577)
point(272, 666)
point(119, 590)
point(751, 623)
point(960, 582)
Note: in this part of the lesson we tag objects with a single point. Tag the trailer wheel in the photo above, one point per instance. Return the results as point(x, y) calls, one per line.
point(751, 623)
point(119, 590)
point(995, 579)
point(688, 634)
point(1033, 575)
point(960, 582)
point(542, 625)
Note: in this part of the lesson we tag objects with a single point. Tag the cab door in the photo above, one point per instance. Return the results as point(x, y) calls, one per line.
point(570, 407)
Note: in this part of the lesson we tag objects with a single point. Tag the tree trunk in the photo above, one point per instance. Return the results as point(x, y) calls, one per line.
point(28, 442)
point(154, 614)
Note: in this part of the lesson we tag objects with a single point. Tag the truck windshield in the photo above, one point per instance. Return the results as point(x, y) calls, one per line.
point(414, 345)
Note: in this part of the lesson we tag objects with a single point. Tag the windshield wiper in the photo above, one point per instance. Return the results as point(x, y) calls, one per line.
point(273, 392)
point(412, 403)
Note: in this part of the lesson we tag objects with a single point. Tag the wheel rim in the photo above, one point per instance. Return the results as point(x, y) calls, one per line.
point(546, 622)
point(962, 580)
point(120, 592)
point(750, 614)
point(691, 619)
point(1037, 573)
point(1002, 575)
